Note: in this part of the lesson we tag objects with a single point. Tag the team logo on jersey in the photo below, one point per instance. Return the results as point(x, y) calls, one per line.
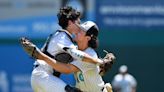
point(80, 76)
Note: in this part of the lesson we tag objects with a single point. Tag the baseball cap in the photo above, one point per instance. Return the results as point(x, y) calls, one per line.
point(90, 27)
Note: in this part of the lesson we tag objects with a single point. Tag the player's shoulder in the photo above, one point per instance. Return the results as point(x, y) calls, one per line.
point(60, 33)
point(60, 36)
point(91, 52)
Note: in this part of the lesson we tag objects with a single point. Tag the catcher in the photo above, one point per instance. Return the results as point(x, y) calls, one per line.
point(87, 74)
point(44, 78)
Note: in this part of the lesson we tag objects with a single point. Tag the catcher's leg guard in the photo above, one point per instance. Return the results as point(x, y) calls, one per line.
point(71, 89)
point(108, 87)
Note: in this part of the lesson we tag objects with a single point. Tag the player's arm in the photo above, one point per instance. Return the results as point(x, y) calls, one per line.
point(58, 66)
point(82, 56)
point(35, 52)
point(66, 45)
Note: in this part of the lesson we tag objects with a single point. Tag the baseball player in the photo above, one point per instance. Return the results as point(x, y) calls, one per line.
point(87, 74)
point(44, 78)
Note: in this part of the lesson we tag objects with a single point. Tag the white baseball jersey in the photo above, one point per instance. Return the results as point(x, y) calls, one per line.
point(124, 83)
point(42, 77)
point(54, 48)
point(88, 79)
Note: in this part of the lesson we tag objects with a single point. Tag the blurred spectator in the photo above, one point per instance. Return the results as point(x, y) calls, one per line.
point(123, 81)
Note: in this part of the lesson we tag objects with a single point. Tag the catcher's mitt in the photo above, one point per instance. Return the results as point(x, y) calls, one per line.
point(29, 47)
point(109, 59)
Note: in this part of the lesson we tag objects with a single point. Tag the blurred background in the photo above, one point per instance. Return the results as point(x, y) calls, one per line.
point(132, 29)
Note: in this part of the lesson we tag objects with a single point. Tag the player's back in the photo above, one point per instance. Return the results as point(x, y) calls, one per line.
point(53, 48)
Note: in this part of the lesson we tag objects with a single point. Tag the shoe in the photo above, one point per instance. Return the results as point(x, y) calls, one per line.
point(29, 47)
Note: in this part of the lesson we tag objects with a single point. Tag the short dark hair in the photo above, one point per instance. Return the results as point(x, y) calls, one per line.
point(65, 14)
point(93, 33)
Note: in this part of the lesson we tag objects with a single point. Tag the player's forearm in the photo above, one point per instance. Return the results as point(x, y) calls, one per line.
point(60, 67)
point(82, 56)
point(90, 59)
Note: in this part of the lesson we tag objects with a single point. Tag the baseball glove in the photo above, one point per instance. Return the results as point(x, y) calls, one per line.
point(29, 47)
point(109, 60)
